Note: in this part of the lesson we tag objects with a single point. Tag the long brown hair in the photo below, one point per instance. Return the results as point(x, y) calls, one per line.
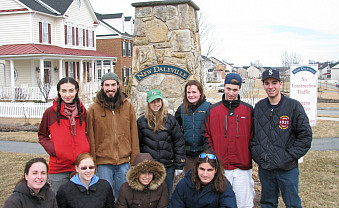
point(80, 157)
point(201, 90)
point(156, 121)
point(219, 180)
point(76, 98)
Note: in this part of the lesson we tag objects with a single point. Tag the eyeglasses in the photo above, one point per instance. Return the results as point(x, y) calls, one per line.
point(210, 156)
point(91, 167)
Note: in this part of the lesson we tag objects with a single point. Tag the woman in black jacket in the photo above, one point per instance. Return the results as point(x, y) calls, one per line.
point(32, 190)
point(160, 135)
point(85, 189)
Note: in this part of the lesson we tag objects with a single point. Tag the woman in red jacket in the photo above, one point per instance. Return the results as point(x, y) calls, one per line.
point(62, 132)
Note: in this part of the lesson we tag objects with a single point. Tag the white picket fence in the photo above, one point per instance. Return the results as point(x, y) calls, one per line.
point(23, 109)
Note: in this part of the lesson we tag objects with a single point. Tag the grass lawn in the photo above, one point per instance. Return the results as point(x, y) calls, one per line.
point(319, 181)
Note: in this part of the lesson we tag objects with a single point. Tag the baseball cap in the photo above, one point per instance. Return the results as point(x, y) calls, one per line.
point(231, 76)
point(271, 73)
point(153, 94)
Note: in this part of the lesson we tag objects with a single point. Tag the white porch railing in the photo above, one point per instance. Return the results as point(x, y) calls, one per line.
point(25, 93)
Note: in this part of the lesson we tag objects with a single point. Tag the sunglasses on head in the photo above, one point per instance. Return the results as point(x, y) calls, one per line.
point(210, 156)
point(91, 167)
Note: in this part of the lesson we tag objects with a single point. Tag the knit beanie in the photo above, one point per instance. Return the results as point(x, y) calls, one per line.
point(109, 76)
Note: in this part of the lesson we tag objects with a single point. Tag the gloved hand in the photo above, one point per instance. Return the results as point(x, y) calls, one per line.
point(178, 172)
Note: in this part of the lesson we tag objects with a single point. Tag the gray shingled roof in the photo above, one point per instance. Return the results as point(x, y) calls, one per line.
point(59, 5)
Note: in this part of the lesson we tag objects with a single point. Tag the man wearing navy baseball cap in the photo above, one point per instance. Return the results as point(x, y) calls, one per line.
point(282, 134)
point(227, 130)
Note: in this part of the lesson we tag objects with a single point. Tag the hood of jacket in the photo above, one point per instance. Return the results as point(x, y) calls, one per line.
point(23, 188)
point(145, 163)
point(76, 180)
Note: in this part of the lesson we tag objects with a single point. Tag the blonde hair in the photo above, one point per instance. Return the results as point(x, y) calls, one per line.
point(156, 121)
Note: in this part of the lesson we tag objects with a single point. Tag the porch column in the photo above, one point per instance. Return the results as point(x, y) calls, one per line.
point(92, 72)
point(102, 68)
point(42, 71)
point(33, 73)
point(11, 65)
point(111, 66)
point(61, 68)
point(81, 71)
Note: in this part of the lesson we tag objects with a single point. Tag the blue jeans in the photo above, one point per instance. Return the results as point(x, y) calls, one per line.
point(57, 179)
point(272, 182)
point(169, 180)
point(114, 174)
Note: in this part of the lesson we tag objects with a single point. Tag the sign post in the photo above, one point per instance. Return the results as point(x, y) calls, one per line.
point(303, 87)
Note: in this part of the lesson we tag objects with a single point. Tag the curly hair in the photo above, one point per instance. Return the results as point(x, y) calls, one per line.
point(75, 83)
point(219, 180)
point(201, 90)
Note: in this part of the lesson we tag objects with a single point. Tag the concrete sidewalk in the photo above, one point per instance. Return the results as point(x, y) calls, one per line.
point(36, 148)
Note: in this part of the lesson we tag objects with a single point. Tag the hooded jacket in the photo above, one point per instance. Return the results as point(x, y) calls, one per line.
point(59, 143)
point(134, 194)
point(24, 197)
point(186, 196)
point(113, 134)
point(74, 194)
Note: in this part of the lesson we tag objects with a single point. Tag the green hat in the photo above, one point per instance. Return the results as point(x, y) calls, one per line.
point(153, 94)
point(109, 76)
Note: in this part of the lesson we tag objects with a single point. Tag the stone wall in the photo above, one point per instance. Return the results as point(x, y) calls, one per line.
point(166, 33)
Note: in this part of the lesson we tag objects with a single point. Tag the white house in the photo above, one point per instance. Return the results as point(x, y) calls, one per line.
point(45, 40)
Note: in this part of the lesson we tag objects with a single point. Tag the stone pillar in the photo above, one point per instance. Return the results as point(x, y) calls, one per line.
point(166, 52)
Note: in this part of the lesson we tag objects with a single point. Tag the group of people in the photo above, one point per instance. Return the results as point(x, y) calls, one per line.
point(105, 157)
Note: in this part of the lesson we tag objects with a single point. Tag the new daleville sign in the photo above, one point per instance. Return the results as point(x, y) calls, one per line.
point(162, 69)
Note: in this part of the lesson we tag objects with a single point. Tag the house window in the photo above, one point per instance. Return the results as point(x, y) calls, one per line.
point(129, 48)
point(69, 35)
point(90, 38)
point(70, 69)
point(124, 76)
point(123, 48)
point(80, 37)
point(44, 32)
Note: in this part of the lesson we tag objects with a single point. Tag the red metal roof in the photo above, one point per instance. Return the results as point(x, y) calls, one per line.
point(39, 49)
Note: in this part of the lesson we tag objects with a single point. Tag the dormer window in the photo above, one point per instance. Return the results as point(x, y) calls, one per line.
point(79, 4)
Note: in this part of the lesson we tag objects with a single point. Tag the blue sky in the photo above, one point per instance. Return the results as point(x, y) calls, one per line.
point(262, 29)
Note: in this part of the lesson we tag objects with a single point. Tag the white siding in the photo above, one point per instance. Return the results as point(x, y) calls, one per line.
point(49, 20)
point(80, 17)
point(10, 4)
point(15, 29)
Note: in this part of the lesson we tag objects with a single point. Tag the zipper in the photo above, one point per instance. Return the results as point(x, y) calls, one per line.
point(193, 142)
point(115, 135)
point(225, 125)
point(237, 124)
point(270, 127)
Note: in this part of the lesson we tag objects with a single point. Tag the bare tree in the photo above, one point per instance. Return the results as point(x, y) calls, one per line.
point(256, 63)
point(209, 41)
point(44, 87)
point(287, 59)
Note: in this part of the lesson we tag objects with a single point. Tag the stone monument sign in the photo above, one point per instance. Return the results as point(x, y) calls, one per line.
point(166, 50)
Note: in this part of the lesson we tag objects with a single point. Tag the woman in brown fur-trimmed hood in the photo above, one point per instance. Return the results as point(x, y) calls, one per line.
point(145, 186)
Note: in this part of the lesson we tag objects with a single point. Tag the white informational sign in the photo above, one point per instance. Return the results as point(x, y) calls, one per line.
point(303, 87)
